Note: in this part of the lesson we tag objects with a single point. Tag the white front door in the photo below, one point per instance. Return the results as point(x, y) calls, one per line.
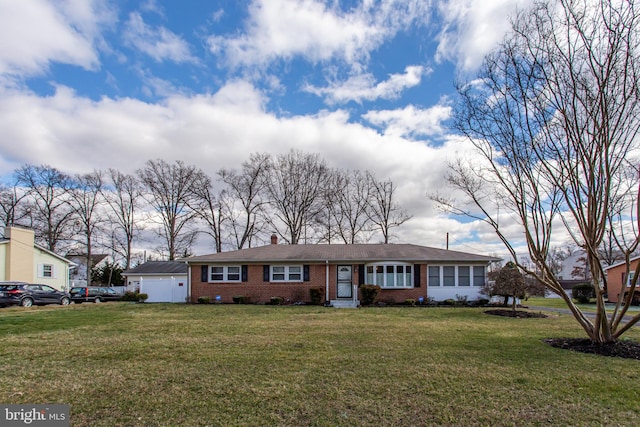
point(345, 290)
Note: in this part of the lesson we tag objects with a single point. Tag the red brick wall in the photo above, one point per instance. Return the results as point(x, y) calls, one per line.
point(616, 280)
point(259, 291)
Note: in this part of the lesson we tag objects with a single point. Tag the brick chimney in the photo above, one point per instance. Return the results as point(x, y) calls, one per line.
point(274, 239)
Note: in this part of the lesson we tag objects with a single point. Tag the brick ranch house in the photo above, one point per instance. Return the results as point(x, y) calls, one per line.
point(617, 280)
point(403, 271)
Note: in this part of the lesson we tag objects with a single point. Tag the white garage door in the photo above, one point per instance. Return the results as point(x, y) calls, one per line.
point(171, 289)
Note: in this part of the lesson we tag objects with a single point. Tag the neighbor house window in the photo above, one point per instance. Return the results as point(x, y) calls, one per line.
point(224, 273)
point(390, 275)
point(286, 273)
point(45, 271)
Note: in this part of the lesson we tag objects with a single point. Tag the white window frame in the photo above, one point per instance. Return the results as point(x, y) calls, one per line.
point(50, 274)
point(456, 275)
point(225, 274)
point(290, 273)
point(372, 278)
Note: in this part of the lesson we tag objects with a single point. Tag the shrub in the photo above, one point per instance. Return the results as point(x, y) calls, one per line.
point(410, 301)
point(277, 300)
point(239, 299)
point(134, 296)
point(316, 295)
point(449, 301)
point(204, 300)
point(369, 293)
point(583, 292)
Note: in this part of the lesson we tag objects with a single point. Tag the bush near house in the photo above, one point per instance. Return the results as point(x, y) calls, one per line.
point(316, 295)
point(369, 293)
point(583, 292)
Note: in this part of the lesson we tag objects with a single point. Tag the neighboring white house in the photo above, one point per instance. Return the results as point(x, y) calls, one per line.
point(78, 276)
point(162, 281)
point(22, 260)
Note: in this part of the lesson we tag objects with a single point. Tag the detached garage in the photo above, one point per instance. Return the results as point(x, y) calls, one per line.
point(163, 281)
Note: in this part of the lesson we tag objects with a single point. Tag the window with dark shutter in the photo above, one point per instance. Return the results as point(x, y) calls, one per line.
point(205, 273)
point(245, 273)
point(416, 276)
point(265, 273)
point(305, 273)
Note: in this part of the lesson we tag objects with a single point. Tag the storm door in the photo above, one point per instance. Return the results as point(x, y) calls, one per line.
point(345, 290)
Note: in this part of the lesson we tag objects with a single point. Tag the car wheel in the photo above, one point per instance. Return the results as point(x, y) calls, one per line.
point(98, 300)
point(26, 302)
point(65, 301)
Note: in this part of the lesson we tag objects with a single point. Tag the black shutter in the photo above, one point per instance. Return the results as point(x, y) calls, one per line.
point(265, 273)
point(245, 273)
point(305, 273)
point(416, 275)
point(361, 274)
point(205, 273)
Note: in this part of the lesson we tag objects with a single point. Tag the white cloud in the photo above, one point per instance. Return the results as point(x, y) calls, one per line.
point(159, 43)
point(311, 29)
point(472, 28)
point(411, 121)
point(363, 87)
point(35, 33)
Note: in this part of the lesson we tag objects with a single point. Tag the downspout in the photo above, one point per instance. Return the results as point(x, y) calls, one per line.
point(326, 299)
point(188, 283)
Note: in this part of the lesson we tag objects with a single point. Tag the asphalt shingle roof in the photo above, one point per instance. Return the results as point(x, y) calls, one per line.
point(159, 267)
point(337, 253)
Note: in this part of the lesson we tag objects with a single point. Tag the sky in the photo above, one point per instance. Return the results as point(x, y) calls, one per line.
point(368, 85)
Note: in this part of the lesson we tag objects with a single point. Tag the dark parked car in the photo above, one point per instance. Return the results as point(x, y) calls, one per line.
point(26, 294)
point(93, 294)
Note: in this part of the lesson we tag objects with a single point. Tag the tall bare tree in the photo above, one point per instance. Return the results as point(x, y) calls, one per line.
point(171, 192)
point(124, 196)
point(555, 115)
point(209, 207)
point(295, 186)
point(384, 211)
point(13, 209)
point(86, 201)
point(347, 206)
point(51, 214)
point(246, 199)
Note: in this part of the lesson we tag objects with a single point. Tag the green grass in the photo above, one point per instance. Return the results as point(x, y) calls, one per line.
point(559, 303)
point(225, 365)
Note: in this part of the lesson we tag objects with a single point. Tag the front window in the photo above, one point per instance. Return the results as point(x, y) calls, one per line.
point(224, 273)
point(464, 278)
point(478, 275)
point(286, 273)
point(448, 275)
point(434, 275)
point(390, 275)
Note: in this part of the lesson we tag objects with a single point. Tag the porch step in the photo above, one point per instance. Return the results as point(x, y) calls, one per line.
point(337, 303)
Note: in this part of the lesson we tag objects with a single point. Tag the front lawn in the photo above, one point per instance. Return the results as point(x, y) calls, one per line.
point(195, 365)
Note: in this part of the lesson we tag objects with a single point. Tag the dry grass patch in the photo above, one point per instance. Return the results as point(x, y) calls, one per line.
point(146, 365)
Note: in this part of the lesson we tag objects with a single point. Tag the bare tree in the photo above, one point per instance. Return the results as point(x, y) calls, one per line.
point(171, 192)
point(86, 200)
point(210, 208)
point(51, 214)
point(245, 201)
point(295, 186)
point(384, 211)
point(347, 206)
point(555, 116)
point(123, 195)
point(13, 208)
